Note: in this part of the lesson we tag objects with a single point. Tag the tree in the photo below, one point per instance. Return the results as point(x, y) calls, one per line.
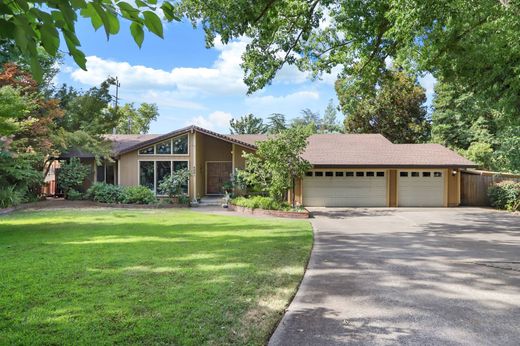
point(308, 118)
point(247, 124)
point(42, 23)
point(329, 123)
point(476, 128)
point(278, 162)
point(394, 109)
point(467, 41)
point(136, 121)
point(277, 123)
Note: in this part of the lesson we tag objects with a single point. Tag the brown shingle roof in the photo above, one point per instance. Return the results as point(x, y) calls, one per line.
point(365, 150)
point(122, 142)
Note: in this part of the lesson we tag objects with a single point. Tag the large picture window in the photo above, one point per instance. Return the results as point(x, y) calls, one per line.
point(163, 169)
point(152, 173)
point(146, 174)
point(180, 145)
point(177, 165)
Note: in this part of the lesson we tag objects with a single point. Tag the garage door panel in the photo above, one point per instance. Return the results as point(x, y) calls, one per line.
point(344, 191)
point(421, 191)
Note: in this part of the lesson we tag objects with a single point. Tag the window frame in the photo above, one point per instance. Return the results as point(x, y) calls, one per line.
point(155, 160)
point(155, 152)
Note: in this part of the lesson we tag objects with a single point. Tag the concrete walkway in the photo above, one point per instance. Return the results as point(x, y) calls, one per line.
point(409, 277)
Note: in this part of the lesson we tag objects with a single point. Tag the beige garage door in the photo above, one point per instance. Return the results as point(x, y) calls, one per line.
point(344, 189)
point(418, 188)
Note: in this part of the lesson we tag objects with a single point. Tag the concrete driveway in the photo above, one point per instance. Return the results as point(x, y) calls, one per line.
point(410, 277)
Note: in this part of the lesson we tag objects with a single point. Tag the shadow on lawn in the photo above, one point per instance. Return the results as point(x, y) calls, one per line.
point(215, 281)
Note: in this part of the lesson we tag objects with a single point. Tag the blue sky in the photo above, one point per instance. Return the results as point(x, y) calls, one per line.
point(190, 83)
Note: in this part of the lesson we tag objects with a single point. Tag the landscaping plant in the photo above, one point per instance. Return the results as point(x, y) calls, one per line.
point(71, 176)
point(138, 195)
point(278, 162)
point(173, 184)
point(105, 193)
point(505, 195)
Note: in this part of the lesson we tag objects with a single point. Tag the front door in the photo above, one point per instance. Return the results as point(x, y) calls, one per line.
point(217, 173)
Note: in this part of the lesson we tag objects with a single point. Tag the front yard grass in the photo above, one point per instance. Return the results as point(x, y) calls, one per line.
point(146, 277)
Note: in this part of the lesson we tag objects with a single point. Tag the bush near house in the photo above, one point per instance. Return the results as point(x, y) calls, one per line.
point(108, 193)
point(138, 195)
point(505, 195)
point(262, 202)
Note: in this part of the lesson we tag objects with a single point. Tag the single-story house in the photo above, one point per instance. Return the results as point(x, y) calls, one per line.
point(364, 170)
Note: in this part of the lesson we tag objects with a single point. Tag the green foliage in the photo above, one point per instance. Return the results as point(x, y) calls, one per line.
point(308, 118)
point(475, 127)
point(138, 195)
point(74, 195)
point(505, 195)
point(173, 184)
point(22, 172)
point(329, 123)
point(136, 121)
point(247, 124)
point(278, 162)
point(395, 108)
point(184, 199)
point(10, 196)
point(277, 123)
point(14, 107)
point(480, 153)
point(34, 24)
point(71, 175)
point(260, 202)
point(105, 193)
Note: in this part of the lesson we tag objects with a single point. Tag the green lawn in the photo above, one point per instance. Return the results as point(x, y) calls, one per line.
point(146, 277)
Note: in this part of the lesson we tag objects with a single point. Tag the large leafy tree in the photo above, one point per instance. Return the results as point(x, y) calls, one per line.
point(475, 128)
point(308, 118)
point(278, 162)
point(394, 108)
point(134, 120)
point(247, 124)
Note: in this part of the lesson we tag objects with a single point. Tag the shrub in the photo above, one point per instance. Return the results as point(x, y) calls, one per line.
point(184, 199)
point(105, 193)
point(505, 195)
point(138, 195)
point(74, 195)
point(260, 202)
point(10, 196)
point(71, 176)
point(172, 185)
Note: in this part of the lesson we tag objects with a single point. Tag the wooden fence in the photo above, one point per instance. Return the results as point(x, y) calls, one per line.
point(475, 184)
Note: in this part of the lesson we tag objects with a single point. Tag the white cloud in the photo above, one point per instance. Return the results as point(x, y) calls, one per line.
point(223, 77)
point(217, 121)
point(287, 104)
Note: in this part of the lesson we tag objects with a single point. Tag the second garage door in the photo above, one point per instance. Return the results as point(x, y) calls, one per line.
point(420, 189)
point(344, 189)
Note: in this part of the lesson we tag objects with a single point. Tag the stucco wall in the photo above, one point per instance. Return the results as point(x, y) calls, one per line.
point(453, 188)
point(392, 187)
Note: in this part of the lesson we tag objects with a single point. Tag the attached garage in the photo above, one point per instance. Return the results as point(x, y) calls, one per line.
point(420, 188)
point(345, 189)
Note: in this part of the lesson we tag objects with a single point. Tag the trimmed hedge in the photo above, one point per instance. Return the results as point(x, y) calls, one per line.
point(505, 195)
point(108, 193)
point(261, 202)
